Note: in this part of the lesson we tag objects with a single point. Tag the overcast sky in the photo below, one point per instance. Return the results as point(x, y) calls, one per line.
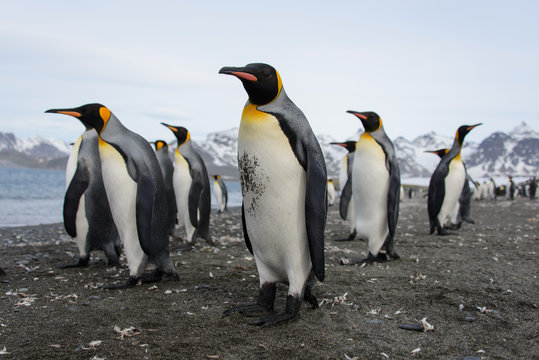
point(422, 65)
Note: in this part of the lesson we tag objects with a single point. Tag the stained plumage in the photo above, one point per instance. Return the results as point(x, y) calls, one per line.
point(283, 178)
point(446, 184)
point(191, 188)
point(135, 190)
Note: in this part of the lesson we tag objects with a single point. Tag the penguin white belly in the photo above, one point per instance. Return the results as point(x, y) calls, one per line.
point(370, 184)
point(218, 196)
point(182, 183)
point(121, 192)
point(343, 172)
point(453, 183)
point(485, 192)
point(331, 194)
point(273, 186)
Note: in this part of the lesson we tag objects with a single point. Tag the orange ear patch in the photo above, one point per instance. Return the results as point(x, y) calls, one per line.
point(104, 113)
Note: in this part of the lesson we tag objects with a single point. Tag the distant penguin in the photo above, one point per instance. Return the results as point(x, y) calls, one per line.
point(532, 188)
point(461, 212)
point(163, 157)
point(136, 192)
point(220, 192)
point(346, 206)
point(401, 197)
point(477, 191)
point(512, 188)
point(191, 187)
point(331, 192)
point(491, 190)
point(87, 216)
point(485, 192)
point(446, 184)
point(283, 178)
point(376, 188)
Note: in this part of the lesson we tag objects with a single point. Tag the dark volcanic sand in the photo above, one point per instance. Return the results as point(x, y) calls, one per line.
point(478, 289)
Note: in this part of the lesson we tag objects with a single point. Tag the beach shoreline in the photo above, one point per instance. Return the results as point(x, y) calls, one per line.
point(478, 289)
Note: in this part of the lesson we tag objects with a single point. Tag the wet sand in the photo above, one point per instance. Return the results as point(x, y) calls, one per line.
point(478, 289)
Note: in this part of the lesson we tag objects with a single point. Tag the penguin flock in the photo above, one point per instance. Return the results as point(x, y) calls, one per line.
point(123, 196)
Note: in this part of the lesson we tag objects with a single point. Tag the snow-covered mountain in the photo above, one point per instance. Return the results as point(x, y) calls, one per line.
point(500, 154)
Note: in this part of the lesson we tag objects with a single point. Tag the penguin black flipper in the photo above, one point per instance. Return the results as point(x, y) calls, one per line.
point(245, 233)
point(346, 196)
point(78, 185)
point(144, 211)
point(194, 200)
point(393, 196)
point(309, 154)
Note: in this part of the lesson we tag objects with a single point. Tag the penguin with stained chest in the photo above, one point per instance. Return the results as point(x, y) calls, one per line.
point(376, 189)
point(462, 211)
point(346, 205)
point(220, 192)
point(446, 184)
point(283, 180)
point(163, 157)
point(191, 187)
point(87, 215)
point(135, 190)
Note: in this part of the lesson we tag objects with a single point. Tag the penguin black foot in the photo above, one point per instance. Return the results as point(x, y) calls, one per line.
point(381, 257)
point(186, 247)
point(2, 272)
point(350, 237)
point(291, 313)
point(83, 262)
point(154, 276)
point(131, 282)
point(443, 232)
point(310, 298)
point(264, 303)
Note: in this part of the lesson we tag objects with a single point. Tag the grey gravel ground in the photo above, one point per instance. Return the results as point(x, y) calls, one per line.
point(478, 289)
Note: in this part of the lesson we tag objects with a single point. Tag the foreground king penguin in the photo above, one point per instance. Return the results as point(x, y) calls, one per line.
point(191, 187)
point(446, 184)
point(135, 190)
point(376, 187)
point(283, 180)
point(87, 216)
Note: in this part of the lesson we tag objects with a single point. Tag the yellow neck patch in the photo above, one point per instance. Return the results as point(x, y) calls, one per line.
point(105, 116)
point(159, 146)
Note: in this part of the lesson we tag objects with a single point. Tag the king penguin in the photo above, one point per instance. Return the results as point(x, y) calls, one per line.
point(462, 211)
point(220, 192)
point(87, 215)
point(376, 188)
point(191, 187)
point(163, 157)
point(331, 192)
point(136, 192)
point(446, 183)
point(283, 180)
point(346, 205)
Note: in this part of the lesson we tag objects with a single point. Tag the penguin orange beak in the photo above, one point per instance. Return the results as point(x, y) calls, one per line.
point(65, 112)
point(472, 126)
point(237, 72)
point(360, 115)
point(173, 128)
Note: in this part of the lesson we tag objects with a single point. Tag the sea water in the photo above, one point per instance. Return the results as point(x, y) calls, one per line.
point(36, 196)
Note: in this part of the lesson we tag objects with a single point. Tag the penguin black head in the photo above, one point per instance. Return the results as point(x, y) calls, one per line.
point(159, 144)
point(370, 120)
point(463, 130)
point(348, 145)
point(261, 81)
point(181, 133)
point(216, 177)
point(439, 152)
point(91, 115)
